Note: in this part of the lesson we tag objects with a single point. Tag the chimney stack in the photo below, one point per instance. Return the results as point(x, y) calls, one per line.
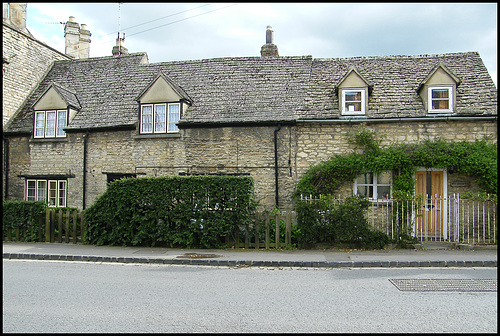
point(119, 49)
point(269, 49)
point(77, 40)
point(84, 43)
point(15, 14)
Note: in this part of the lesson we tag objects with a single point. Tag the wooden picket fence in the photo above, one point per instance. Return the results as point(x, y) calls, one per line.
point(56, 226)
point(463, 220)
point(269, 230)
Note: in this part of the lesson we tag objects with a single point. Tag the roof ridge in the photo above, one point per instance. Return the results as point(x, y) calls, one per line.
point(221, 59)
point(400, 56)
point(100, 58)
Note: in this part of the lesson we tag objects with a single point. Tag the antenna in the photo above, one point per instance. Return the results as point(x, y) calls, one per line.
point(119, 41)
point(119, 5)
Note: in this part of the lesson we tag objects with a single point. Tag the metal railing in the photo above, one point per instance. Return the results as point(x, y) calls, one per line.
point(435, 218)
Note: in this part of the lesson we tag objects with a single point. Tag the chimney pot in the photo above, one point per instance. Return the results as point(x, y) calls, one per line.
point(269, 34)
point(269, 49)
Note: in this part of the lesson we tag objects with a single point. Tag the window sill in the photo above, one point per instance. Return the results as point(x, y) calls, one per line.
point(359, 114)
point(378, 200)
point(440, 111)
point(41, 140)
point(157, 136)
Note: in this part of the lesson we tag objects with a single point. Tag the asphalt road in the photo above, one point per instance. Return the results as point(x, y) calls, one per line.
point(53, 297)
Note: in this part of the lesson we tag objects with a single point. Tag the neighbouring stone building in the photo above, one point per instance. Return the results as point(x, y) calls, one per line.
point(26, 59)
point(90, 121)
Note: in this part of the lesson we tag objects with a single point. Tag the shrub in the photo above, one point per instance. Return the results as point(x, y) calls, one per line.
point(324, 221)
point(25, 216)
point(175, 211)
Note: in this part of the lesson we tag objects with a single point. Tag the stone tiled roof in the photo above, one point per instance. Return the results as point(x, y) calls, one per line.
point(69, 96)
point(257, 89)
point(395, 81)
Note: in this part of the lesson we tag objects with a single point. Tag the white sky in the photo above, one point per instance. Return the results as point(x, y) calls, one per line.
point(190, 31)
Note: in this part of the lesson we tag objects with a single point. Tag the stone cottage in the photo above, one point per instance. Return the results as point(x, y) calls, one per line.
point(90, 121)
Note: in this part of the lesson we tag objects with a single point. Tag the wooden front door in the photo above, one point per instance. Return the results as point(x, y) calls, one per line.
point(429, 223)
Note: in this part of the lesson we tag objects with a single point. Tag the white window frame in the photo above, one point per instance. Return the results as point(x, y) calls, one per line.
point(450, 98)
point(346, 111)
point(157, 125)
point(173, 118)
point(53, 192)
point(56, 130)
point(375, 184)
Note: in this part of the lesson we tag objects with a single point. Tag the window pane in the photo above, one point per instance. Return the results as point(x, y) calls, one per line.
point(31, 191)
point(61, 122)
point(440, 93)
point(52, 193)
point(365, 191)
point(147, 119)
point(50, 124)
point(62, 193)
point(173, 117)
point(383, 192)
point(440, 104)
point(353, 107)
point(365, 179)
point(384, 178)
point(41, 191)
point(353, 96)
point(39, 123)
point(160, 114)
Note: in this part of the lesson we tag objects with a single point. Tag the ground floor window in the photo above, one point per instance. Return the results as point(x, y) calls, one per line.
point(374, 186)
point(117, 176)
point(54, 192)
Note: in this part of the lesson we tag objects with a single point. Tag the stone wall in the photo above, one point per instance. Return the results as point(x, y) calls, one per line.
point(28, 60)
point(225, 150)
point(19, 162)
point(317, 142)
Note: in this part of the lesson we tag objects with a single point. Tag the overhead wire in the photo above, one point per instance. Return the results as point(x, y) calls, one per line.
point(167, 24)
point(164, 17)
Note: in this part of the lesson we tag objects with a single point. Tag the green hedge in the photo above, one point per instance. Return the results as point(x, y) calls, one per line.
point(25, 216)
point(338, 224)
point(191, 211)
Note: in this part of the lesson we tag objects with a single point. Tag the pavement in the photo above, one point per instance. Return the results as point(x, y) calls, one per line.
point(426, 255)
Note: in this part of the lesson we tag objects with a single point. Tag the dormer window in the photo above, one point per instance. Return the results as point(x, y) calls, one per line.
point(353, 101)
point(440, 99)
point(438, 90)
point(161, 104)
point(160, 118)
point(353, 90)
point(50, 124)
point(54, 111)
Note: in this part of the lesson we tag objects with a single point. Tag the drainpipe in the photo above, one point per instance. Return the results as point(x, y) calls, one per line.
point(276, 130)
point(85, 139)
point(6, 143)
